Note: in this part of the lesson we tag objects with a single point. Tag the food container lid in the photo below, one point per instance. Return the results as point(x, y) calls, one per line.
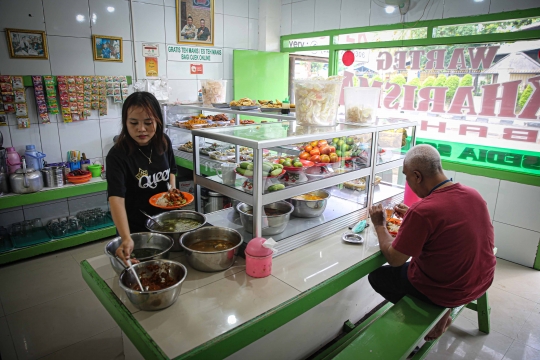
point(255, 248)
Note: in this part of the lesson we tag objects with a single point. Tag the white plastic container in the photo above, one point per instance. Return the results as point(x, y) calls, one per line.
point(213, 91)
point(361, 104)
point(317, 100)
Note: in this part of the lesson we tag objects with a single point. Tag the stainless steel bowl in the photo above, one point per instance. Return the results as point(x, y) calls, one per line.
point(176, 214)
point(153, 300)
point(271, 225)
point(310, 208)
point(144, 240)
point(215, 260)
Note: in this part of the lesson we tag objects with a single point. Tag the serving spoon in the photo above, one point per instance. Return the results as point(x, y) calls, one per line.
point(151, 218)
point(135, 274)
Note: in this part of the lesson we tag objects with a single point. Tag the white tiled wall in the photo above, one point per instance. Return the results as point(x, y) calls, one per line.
point(513, 209)
point(300, 16)
point(70, 24)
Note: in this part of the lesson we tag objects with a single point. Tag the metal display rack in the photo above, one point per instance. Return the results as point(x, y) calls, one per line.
point(342, 210)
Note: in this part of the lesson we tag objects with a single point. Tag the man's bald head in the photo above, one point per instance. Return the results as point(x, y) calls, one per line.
point(425, 159)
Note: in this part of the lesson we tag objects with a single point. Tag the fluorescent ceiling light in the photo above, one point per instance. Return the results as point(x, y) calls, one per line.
point(94, 18)
point(389, 9)
point(80, 18)
point(110, 9)
point(478, 0)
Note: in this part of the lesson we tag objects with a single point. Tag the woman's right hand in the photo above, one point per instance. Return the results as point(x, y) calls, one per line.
point(124, 251)
point(401, 209)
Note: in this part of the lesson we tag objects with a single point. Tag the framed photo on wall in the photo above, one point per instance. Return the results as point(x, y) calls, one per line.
point(27, 44)
point(195, 22)
point(107, 48)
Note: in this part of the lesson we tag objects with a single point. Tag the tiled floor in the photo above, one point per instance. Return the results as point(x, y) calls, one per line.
point(48, 312)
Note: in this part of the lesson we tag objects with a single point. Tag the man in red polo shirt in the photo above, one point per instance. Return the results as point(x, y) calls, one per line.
point(448, 234)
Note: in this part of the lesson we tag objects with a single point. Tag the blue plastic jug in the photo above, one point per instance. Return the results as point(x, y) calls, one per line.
point(34, 159)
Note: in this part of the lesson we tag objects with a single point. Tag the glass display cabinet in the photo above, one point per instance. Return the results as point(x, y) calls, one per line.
point(339, 171)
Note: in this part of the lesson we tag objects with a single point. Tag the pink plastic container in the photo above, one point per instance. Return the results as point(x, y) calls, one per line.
point(258, 267)
point(410, 197)
point(258, 259)
point(13, 160)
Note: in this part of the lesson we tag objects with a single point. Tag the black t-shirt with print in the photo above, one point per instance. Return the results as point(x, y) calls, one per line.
point(131, 177)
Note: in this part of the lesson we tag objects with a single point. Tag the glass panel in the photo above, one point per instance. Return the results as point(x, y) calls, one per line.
point(492, 27)
point(386, 35)
point(306, 42)
point(316, 160)
point(354, 190)
point(388, 184)
point(394, 144)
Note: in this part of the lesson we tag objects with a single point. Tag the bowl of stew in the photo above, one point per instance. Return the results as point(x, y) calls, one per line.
point(211, 248)
point(274, 220)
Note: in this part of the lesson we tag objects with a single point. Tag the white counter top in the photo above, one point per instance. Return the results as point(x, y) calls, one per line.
point(213, 303)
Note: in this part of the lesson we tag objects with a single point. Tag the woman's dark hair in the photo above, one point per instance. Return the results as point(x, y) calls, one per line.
point(148, 103)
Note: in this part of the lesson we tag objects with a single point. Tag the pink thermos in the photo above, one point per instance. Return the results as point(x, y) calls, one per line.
point(13, 160)
point(259, 257)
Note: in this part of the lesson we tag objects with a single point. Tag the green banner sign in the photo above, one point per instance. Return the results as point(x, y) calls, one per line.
point(519, 161)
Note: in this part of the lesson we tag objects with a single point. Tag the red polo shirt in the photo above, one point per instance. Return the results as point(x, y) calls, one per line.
point(450, 238)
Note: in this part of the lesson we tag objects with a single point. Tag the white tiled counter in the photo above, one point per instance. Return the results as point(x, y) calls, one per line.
point(312, 291)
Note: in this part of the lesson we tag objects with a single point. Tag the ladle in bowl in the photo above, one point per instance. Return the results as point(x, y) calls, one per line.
point(159, 223)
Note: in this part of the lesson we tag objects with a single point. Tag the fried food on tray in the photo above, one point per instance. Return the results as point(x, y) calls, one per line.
point(243, 102)
point(173, 197)
point(271, 104)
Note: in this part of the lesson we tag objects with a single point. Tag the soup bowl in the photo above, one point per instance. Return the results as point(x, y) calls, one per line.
point(175, 215)
point(211, 261)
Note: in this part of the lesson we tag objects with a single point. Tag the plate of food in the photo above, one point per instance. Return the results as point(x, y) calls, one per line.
point(173, 199)
point(393, 225)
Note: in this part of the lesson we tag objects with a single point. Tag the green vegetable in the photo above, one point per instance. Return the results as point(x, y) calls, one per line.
point(276, 172)
point(278, 166)
point(245, 164)
point(276, 187)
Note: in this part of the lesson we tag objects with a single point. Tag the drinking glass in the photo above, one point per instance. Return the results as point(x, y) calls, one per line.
point(37, 224)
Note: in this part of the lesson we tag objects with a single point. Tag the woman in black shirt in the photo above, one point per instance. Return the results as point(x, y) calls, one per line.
point(140, 165)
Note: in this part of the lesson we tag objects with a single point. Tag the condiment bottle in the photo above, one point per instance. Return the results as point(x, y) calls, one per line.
point(259, 252)
point(286, 106)
point(84, 162)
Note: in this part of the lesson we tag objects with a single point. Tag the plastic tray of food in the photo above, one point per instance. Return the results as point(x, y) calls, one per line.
point(36, 237)
point(244, 108)
point(221, 105)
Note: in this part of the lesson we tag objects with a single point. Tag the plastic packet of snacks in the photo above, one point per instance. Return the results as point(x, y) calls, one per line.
point(117, 98)
point(50, 92)
point(45, 119)
point(23, 123)
point(21, 110)
point(6, 87)
point(9, 108)
point(18, 83)
point(20, 96)
point(8, 97)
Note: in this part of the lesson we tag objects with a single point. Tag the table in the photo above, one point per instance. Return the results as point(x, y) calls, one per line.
point(229, 313)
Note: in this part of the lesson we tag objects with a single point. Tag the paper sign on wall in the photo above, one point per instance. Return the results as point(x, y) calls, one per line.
point(196, 69)
point(150, 50)
point(194, 53)
point(151, 65)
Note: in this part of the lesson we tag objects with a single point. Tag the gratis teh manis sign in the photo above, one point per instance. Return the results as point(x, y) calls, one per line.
point(194, 53)
point(527, 162)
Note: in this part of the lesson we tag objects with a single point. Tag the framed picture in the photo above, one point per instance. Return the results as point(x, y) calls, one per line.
point(195, 22)
point(27, 44)
point(107, 48)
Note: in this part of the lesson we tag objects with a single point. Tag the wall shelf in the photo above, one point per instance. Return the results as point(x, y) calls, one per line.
point(54, 245)
point(48, 194)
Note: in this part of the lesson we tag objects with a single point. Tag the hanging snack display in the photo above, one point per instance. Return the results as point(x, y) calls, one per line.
point(124, 87)
point(8, 97)
point(79, 85)
point(102, 87)
point(94, 93)
point(41, 103)
point(50, 92)
point(64, 98)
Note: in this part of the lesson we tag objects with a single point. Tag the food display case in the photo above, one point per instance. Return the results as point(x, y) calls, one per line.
point(343, 179)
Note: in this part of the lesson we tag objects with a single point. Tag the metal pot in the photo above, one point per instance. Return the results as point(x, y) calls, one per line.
point(26, 180)
point(218, 260)
point(144, 240)
point(310, 208)
point(153, 300)
point(53, 176)
point(271, 225)
point(172, 215)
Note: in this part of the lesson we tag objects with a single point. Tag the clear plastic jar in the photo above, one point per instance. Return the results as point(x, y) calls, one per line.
point(213, 91)
point(361, 104)
point(317, 100)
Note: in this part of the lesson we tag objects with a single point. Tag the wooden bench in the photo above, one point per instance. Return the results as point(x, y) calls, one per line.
point(393, 331)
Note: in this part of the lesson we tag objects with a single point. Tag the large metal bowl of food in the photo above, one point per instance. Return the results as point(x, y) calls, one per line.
point(161, 279)
point(175, 223)
point(310, 205)
point(211, 248)
point(146, 246)
point(274, 222)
